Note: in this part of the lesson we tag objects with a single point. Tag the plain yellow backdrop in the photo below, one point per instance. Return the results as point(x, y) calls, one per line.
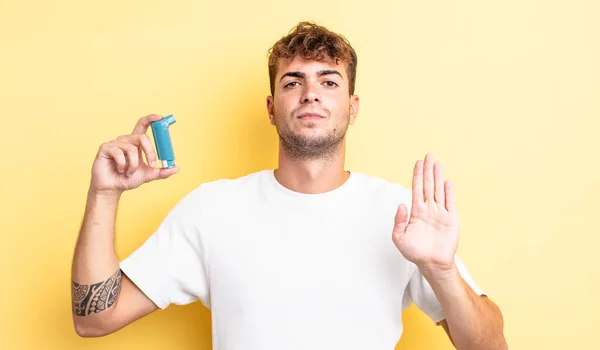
point(505, 94)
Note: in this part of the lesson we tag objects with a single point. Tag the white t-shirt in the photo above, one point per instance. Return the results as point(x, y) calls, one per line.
point(284, 270)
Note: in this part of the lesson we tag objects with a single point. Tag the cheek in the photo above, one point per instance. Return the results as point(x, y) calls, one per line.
point(338, 100)
point(282, 106)
point(341, 109)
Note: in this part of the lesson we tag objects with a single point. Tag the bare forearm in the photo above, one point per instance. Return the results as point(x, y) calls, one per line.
point(95, 274)
point(474, 322)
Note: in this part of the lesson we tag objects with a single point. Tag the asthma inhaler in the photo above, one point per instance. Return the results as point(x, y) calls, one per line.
point(162, 140)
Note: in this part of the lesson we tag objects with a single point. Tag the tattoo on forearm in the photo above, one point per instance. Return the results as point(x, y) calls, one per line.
point(96, 297)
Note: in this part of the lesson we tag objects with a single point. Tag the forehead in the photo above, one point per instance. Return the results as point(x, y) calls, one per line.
point(309, 67)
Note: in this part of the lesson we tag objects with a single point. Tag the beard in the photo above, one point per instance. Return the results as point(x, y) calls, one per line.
point(313, 147)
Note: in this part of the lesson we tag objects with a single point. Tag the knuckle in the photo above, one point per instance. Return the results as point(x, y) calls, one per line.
point(143, 139)
point(119, 157)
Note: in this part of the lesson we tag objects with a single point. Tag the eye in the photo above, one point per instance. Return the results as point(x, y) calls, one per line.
point(330, 83)
point(290, 84)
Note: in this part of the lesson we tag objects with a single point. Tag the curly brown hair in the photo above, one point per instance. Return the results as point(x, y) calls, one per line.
point(313, 42)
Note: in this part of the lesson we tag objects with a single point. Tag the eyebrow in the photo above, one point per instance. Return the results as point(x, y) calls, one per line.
point(298, 74)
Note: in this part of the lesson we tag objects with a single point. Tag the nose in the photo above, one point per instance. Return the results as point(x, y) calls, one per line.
point(310, 93)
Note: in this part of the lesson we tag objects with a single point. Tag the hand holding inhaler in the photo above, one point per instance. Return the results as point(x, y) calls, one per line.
point(119, 164)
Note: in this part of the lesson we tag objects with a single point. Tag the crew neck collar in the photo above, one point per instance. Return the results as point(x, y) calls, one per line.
point(336, 197)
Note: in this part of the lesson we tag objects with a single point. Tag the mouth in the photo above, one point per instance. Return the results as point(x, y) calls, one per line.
point(310, 116)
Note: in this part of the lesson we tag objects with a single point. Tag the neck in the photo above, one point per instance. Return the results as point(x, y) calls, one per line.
point(312, 175)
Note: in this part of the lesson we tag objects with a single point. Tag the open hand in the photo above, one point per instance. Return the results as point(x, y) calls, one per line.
point(430, 236)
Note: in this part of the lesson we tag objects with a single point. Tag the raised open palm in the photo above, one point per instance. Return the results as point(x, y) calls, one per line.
point(429, 238)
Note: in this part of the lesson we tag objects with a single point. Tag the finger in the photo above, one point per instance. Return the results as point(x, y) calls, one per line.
point(142, 141)
point(148, 149)
point(165, 173)
point(428, 183)
point(438, 175)
point(131, 152)
point(400, 220)
point(142, 125)
point(450, 200)
point(159, 173)
point(417, 184)
point(113, 152)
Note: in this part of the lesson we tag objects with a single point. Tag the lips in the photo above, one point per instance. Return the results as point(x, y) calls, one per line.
point(310, 115)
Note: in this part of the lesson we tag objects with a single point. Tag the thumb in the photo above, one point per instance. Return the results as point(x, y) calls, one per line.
point(160, 173)
point(400, 220)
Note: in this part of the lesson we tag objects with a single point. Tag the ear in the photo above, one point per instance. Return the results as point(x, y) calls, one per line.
point(270, 104)
point(354, 104)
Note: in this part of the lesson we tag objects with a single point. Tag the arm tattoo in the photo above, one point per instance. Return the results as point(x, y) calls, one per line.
point(96, 297)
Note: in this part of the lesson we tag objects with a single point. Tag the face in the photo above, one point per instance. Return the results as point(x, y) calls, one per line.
point(311, 107)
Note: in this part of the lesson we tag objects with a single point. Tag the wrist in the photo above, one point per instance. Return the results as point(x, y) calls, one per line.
point(102, 196)
point(436, 274)
point(447, 284)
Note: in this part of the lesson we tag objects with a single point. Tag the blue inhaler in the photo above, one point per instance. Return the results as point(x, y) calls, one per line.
point(162, 140)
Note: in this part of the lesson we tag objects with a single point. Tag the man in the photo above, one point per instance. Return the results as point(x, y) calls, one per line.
point(305, 256)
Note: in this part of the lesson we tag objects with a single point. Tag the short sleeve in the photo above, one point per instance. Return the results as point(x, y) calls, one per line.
point(420, 292)
point(170, 267)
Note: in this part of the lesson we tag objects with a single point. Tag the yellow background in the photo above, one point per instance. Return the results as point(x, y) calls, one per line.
point(504, 94)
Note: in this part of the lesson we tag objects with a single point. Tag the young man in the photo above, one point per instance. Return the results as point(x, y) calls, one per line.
point(305, 256)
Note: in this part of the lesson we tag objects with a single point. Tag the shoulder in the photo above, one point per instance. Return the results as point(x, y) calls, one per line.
point(379, 188)
point(232, 184)
point(225, 188)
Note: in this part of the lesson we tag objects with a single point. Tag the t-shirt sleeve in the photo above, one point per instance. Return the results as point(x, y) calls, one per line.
point(420, 292)
point(170, 267)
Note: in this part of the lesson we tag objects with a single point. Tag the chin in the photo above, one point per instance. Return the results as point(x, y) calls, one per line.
point(311, 133)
